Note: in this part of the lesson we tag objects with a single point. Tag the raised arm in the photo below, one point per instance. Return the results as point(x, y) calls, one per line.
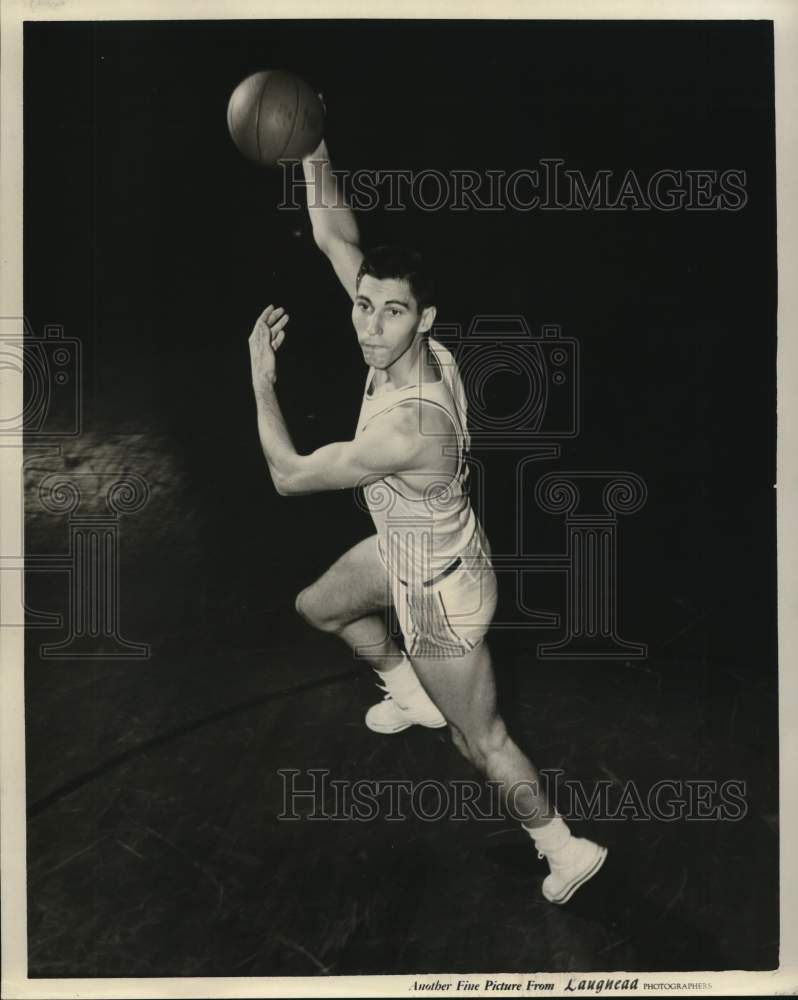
point(392, 444)
point(334, 227)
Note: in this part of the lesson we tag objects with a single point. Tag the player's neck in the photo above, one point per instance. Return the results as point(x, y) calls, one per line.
point(415, 366)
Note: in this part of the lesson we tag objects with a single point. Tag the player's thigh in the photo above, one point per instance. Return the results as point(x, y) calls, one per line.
point(354, 586)
point(463, 688)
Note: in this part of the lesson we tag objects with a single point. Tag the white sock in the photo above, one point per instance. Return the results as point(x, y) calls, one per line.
point(402, 682)
point(552, 838)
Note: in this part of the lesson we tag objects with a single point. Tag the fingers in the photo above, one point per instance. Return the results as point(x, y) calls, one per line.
point(278, 331)
point(270, 327)
point(265, 315)
point(278, 312)
point(279, 325)
point(271, 315)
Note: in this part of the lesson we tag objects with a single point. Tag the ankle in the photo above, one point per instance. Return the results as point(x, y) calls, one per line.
point(552, 837)
point(400, 679)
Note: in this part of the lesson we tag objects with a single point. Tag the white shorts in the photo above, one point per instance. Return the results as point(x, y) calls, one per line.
point(447, 616)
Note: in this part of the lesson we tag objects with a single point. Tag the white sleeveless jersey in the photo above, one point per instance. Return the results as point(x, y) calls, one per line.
point(422, 529)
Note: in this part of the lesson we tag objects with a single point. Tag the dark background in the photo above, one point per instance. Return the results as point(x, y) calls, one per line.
point(151, 240)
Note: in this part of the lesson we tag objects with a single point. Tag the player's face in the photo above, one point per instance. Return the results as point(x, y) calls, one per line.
point(387, 320)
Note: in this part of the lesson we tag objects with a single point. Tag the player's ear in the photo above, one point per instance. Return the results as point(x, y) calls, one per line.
point(427, 318)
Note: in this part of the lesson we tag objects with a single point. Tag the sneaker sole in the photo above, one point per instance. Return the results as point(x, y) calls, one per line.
point(570, 889)
point(405, 725)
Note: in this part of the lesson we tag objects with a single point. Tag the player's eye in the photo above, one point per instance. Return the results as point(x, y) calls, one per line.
point(395, 312)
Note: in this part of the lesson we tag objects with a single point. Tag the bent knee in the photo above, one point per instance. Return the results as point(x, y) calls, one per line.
point(306, 606)
point(301, 603)
point(310, 608)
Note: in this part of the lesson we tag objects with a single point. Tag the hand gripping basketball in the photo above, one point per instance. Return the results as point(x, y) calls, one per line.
point(273, 116)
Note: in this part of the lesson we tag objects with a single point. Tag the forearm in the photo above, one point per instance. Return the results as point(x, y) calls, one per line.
point(330, 216)
point(278, 448)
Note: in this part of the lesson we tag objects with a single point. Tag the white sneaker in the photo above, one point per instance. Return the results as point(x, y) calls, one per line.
point(583, 860)
point(388, 716)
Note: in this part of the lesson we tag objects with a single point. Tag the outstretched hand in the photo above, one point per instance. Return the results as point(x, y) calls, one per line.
point(264, 341)
point(320, 152)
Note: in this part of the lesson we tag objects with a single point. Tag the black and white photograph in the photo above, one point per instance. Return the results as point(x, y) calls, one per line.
point(391, 559)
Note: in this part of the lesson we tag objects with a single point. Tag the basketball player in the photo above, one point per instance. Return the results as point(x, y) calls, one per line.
point(429, 555)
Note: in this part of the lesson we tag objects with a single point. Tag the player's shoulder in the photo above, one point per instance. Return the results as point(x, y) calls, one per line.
point(404, 420)
point(392, 438)
point(401, 419)
point(423, 417)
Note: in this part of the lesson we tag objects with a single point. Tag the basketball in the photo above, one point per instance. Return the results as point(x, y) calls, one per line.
point(273, 115)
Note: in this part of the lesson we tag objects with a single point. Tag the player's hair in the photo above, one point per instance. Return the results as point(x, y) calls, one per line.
point(403, 264)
